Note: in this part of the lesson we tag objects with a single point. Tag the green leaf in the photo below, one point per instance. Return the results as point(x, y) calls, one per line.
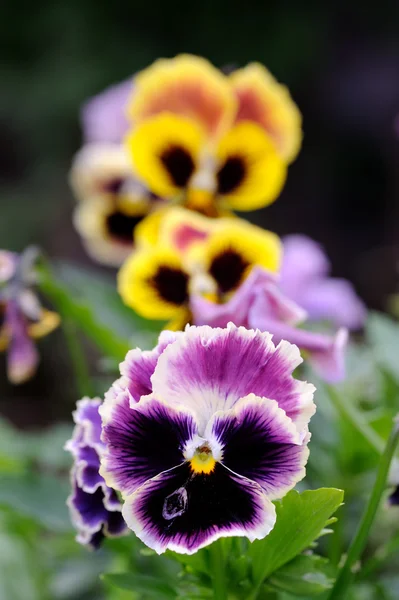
point(99, 291)
point(38, 496)
point(143, 584)
point(70, 304)
point(300, 520)
point(304, 576)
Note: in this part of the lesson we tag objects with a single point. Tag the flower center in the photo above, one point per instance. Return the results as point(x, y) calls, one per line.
point(203, 461)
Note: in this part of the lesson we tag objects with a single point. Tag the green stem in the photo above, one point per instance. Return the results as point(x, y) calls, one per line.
point(78, 359)
point(218, 570)
point(349, 412)
point(359, 541)
point(77, 311)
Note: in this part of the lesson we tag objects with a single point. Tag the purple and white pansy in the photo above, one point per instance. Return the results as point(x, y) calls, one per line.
point(94, 507)
point(202, 433)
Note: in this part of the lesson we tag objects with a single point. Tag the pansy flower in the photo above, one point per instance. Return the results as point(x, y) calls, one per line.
point(112, 202)
point(22, 317)
point(94, 507)
point(158, 282)
point(211, 140)
point(208, 431)
point(305, 279)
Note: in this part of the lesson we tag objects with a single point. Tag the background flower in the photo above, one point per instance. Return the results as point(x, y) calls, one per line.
point(94, 507)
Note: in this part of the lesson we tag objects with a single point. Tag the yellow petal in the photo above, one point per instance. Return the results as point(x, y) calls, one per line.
point(188, 86)
point(165, 152)
point(263, 100)
point(153, 282)
point(49, 321)
point(251, 173)
point(234, 248)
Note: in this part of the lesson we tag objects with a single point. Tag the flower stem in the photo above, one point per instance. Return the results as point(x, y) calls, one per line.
point(218, 570)
point(356, 418)
point(78, 359)
point(359, 541)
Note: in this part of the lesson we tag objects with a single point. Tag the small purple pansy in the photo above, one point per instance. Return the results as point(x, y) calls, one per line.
point(94, 507)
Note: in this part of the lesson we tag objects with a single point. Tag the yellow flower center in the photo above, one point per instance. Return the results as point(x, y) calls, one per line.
point(203, 461)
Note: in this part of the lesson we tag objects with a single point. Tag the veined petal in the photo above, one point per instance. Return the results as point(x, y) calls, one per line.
point(251, 173)
point(165, 151)
point(263, 100)
point(183, 513)
point(142, 440)
point(261, 443)
point(188, 86)
point(208, 370)
point(136, 371)
point(154, 283)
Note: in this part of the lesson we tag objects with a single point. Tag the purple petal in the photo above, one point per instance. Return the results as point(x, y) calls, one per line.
point(208, 370)
point(334, 300)
point(103, 116)
point(136, 371)
point(22, 356)
point(182, 512)
point(304, 278)
point(326, 353)
point(261, 443)
point(142, 441)
point(303, 260)
point(87, 509)
point(260, 289)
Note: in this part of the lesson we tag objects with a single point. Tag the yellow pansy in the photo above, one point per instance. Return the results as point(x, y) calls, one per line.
point(209, 140)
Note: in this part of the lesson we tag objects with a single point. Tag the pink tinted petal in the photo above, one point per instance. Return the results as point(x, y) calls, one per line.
point(103, 116)
point(208, 370)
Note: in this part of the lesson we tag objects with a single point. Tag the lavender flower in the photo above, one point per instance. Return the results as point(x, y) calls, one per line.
point(95, 508)
point(202, 433)
point(259, 303)
point(304, 279)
